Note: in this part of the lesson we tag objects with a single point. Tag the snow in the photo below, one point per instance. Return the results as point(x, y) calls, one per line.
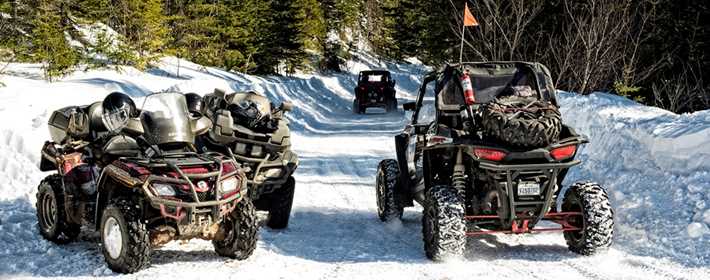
point(655, 164)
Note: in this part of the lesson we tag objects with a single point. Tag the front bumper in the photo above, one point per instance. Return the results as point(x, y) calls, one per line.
point(183, 209)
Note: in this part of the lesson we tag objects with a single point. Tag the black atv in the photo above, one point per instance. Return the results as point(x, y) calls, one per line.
point(375, 88)
point(471, 181)
point(256, 134)
point(141, 184)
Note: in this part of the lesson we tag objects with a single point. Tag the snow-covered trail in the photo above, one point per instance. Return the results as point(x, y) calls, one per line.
point(334, 231)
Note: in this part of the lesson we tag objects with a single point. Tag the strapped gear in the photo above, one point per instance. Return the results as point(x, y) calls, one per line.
point(253, 112)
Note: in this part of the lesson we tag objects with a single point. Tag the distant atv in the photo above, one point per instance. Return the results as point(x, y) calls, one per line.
point(375, 88)
point(137, 179)
point(472, 181)
point(255, 134)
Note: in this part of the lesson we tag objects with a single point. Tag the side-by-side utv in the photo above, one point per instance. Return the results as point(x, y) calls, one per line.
point(485, 153)
point(136, 177)
point(375, 88)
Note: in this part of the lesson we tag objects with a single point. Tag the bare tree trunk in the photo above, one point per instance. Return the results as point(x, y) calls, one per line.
point(591, 48)
point(504, 31)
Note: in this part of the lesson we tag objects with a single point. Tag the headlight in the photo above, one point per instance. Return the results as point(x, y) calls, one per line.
point(229, 185)
point(273, 173)
point(164, 189)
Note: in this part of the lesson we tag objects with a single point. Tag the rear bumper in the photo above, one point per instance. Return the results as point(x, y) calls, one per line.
point(514, 172)
point(524, 167)
point(258, 181)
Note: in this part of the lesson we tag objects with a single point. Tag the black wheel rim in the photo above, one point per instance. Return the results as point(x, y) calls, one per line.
point(574, 205)
point(48, 211)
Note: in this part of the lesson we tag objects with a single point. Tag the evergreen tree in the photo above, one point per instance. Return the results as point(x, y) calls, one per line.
point(49, 41)
point(142, 25)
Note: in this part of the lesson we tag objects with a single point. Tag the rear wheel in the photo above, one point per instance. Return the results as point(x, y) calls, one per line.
point(389, 206)
point(51, 215)
point(280, 205)
point(597, 221)
point(392, 105)
point(443, 224)
point(240, 231)
point(124, 237)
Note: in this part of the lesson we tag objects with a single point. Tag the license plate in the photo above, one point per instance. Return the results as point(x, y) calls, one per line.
point(373, 100)
point(525, 188)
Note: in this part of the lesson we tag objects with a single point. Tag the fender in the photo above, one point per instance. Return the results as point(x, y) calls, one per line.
point(107, 185)
point(404, 187)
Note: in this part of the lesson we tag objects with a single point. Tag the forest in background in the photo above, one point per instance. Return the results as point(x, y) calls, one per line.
point(653, 51)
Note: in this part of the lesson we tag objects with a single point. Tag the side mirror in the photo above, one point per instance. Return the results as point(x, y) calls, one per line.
point(393, 82)
point(201, 126)
point(409, 106)
point(286, 106)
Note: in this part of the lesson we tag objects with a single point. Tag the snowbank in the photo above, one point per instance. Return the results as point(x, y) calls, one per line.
point(656, 166)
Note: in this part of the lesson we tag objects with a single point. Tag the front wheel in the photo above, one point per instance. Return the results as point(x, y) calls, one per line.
point(240, 230)
point(280, 205)
point(52, 218)
point(596, 222)
point(124, 237)
point(389, 206)
point(443, 224)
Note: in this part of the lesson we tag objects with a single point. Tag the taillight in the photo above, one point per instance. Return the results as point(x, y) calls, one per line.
point(563, 152)
point(489, 154)
point(436, 139)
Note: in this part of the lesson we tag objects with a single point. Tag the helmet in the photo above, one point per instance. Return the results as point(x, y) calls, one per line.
point(252, 111)
point(117, 109)
point(194, 104)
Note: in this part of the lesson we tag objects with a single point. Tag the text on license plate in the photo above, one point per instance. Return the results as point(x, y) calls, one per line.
point(525, 188)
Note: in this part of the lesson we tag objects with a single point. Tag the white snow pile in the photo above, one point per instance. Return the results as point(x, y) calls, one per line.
point(655, 165)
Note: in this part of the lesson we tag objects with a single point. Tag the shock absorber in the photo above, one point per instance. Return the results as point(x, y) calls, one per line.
point(458, 178)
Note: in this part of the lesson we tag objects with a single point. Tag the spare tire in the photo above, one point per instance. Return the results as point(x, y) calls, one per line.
point(529, 125)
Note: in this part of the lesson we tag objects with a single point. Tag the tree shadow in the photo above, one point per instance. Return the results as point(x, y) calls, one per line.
point(126, 87)
point(345, 235)
point(490, 247)
point(163, 73)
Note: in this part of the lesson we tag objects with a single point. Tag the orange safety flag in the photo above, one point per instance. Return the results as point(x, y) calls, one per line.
point(468, 19)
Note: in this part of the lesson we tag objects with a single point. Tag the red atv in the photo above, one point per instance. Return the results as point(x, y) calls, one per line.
point(375, 88)
point(137, 179)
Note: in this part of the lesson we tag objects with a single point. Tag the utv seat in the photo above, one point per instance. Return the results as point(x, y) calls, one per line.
point(449, 103)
